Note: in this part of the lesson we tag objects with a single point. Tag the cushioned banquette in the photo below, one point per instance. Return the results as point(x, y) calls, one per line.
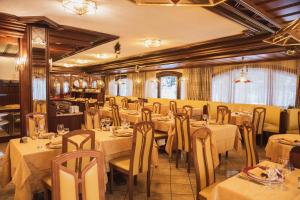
point(292, 121)
point(273, 113)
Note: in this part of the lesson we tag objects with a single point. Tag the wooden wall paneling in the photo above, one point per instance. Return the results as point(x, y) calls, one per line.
point(25, 79)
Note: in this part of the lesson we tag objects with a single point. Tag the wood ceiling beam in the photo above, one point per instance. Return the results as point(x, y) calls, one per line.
point(260, 12)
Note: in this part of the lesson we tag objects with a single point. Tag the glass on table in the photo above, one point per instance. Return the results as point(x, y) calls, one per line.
point(60, 129)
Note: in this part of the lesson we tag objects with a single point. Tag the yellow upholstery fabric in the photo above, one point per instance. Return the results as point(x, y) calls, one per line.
point(293, 126)
point(271, 128)
point(160, 135)
point(116, 115)
point(146, 115)
point(182, 125)
point(33, 122)
point(123, 162)
point(206, 192)
point(249, 139)
point(92, 119)
point(124, 102)
point(188, 110)
point(67, 183)
point(259, 115)
point(92, 183)
point(39, 106)
point(223, 114)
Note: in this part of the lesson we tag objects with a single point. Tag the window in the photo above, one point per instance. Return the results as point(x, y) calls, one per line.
point(169, 85)
point(94, 84)
point(125, 87)
point(151, 88)
point(122, 87)
point(38, 87)
point(66, 88)
point(271, 87)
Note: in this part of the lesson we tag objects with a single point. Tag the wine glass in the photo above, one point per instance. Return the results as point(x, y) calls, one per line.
point(60, 129)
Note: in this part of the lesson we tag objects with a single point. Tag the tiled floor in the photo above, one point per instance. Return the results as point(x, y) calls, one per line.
point(167, 182)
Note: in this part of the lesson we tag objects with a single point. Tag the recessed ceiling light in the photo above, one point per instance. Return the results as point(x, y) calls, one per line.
point(80, 7)
point(152, 43)
point(68, 65)
point(103, 56)
point(80, 61)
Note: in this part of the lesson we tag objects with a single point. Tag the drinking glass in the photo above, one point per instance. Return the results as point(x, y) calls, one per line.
point(60, 129)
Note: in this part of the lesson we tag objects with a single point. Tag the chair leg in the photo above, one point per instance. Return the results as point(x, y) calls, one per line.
point(111, 179)
point(148, 182)
point(130, 186)
point(188, 157)
point(226, 154)
point(177, 157)
point(135, 180)
point(261, 139)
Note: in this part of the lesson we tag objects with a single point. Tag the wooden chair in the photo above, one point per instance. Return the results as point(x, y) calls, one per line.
point(182, 128)
point(39, 106)
point(111, 101)
point(139, 104)
point(173, 107)
point(124, 103)
point(250, 146)
point(35, 121)
point(204, 163)
point(116, 115)
point(299, 121)
point(295, 157)
point(223, 115)
point(140, 159)
point(156, 108)
point(146, 115)
point(92, 118)
point(88, 183)
point(71, 142)
point(188, 110)
point(258, 120)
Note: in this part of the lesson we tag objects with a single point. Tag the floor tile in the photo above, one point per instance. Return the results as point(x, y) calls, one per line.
point(181, 189)
point(182, 197)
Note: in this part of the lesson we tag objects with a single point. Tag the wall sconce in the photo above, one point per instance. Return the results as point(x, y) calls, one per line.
point(20, 62)
point(138, 81)
point(183, 79)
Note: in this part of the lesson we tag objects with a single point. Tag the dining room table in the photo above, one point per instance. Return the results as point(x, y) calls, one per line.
point(26, 164)
point(243, 187)
point(279, 146)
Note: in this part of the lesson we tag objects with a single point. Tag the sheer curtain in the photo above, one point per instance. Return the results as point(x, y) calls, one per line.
point(270, 86)
point(39, 88)
point(125, 87)
point(112, 88)
point(151, 85)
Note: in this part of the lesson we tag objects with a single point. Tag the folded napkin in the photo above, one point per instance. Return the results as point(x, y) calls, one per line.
point(56, 141)
point(124, 131)
point(46, 135)
point(258, 172)
point(289, 141)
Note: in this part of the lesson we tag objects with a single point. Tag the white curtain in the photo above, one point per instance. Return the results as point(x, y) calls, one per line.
point(125, 87)
point(268, 86)
point(113, 88)
point(38, 88)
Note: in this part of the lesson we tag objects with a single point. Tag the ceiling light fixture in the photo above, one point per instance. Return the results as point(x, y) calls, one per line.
point(68, 65)
point(243, 75)
point(102, 56)
point(80, 7)
point(179, 2)
point(80, 61)
point(152, 43)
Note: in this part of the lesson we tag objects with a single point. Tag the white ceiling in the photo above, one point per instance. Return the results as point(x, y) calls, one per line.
point(173, 25)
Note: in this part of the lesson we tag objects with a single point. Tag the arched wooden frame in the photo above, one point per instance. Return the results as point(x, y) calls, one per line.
point(159, 75)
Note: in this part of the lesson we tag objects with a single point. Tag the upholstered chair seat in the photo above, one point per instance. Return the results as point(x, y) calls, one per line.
point(122, 163)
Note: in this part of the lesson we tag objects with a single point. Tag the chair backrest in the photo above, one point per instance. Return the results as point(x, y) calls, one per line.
point(116, 115)
point(92, 118)
point(139, 104)
point(68, 184)
point(78, 140)
point(182, 129)
point(250, 146)
point(156, 108)
point(39, 106)
point(258, 120)
point(188, 110)
point(146, 115)
point(203, 158)
point(124, 102)
point(223, 115)
point(143, 137)
point(295, 157)
point(111, 101)
point(173, 107)
point(36, 121)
